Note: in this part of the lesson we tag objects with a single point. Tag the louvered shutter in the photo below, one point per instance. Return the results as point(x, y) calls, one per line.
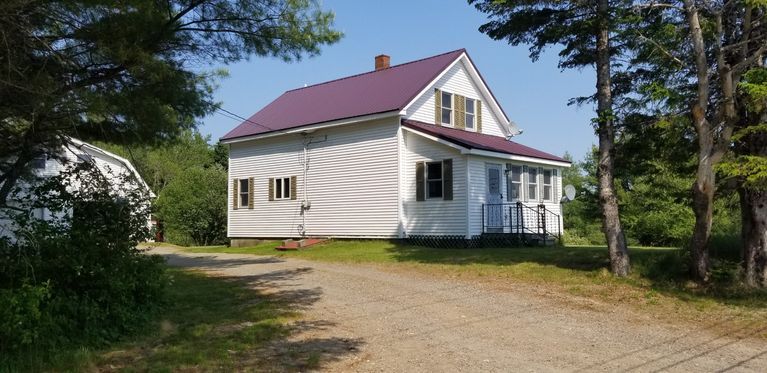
point(235, 182)
point(437, 107)
point(540, 183)
point(525, 186)
point(447, 179)
point(420, 187)
point(271, 189)
point(250, 193)
point(293, 187)
point(478, 116)
point(460, 112)
point(556, 196)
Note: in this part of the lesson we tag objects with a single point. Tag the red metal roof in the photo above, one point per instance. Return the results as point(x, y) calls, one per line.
point(473, 140)
point(364, 94)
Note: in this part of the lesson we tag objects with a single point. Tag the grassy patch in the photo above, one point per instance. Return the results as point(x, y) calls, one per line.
point(209, 324)
point(657, 284)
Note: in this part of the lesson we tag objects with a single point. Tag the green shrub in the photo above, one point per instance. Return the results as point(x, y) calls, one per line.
point(79, 278)
point(193, 206)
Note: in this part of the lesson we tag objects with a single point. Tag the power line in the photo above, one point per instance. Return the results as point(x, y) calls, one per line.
point(234, 116)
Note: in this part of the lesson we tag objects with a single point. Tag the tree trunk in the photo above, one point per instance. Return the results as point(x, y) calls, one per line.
point(753, 206)
point(703, 207)
point(703, 188)
point(608, 200)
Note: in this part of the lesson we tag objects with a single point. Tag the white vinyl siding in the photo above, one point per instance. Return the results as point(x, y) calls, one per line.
point(433, 216)
point(457, 81)
point(352, 183)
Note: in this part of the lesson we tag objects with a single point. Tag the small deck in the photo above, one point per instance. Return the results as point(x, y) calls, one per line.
point(520, 224)
point(291, 244)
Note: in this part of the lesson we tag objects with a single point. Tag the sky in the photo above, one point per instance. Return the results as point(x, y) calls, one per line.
point(534, 95)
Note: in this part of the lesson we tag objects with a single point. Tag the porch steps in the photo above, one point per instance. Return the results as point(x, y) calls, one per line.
point(291, 244)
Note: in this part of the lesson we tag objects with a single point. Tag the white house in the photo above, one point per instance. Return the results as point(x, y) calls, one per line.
point(412, 150)
point(112, 166)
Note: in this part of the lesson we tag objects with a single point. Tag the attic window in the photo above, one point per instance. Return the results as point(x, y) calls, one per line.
point(447, 108)
point(470, 113)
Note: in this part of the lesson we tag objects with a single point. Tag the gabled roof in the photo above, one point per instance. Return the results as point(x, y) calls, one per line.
point(474, 140)
point(364, 94)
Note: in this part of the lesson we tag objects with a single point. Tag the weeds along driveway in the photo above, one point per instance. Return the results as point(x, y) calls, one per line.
point(377, 320)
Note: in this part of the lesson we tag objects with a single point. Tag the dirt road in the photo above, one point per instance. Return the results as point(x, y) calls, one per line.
point(360, 318)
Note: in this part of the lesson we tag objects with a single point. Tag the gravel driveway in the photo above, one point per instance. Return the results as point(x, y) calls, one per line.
point(362, 318)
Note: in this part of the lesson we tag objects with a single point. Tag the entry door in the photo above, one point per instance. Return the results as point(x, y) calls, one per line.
point(494, 209)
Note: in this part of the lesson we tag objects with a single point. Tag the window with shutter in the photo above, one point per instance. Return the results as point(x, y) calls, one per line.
point(434, 180)
point(244, 194)
point(282, 188)
point(469, 113)
point(447, 109)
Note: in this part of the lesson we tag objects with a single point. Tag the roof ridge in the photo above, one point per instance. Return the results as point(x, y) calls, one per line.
point(375, 71)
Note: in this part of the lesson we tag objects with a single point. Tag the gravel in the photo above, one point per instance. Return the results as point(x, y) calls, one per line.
point(369, 319)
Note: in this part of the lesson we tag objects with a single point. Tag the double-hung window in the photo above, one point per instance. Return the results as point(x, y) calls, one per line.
point(515, 183)
point(434, 180)
point(532, 183)
point(447, 108)
point(548, 184)
point(282, 188)
point(244, 192)
point(471, 108)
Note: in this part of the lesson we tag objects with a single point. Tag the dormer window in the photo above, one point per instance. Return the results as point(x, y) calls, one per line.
point(470, 113)
point(447, 108)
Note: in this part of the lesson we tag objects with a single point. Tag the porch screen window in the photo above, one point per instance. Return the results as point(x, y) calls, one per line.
point(470, 110)
point(515, 182)
point(282, 188)
point(244, 192)
point(447, 108)
point(532, 183)
point(434, 180)
point(547, 184)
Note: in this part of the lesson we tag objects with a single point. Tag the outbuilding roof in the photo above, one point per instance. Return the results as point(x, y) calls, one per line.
point(369, 93)
point(474, 140)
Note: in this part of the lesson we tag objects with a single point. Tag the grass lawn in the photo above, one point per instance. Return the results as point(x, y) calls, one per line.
point(657, 285)
point(209, 324)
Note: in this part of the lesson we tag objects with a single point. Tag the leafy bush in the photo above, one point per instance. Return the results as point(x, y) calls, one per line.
point(194, 204)
point(77, 278)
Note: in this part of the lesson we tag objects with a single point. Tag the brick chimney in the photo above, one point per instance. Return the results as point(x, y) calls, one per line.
point(382, 62)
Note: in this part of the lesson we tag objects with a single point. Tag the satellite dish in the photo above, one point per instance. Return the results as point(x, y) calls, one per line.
point(569, 192)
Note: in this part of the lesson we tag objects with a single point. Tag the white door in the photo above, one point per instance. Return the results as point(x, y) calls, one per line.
point(493, 204)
